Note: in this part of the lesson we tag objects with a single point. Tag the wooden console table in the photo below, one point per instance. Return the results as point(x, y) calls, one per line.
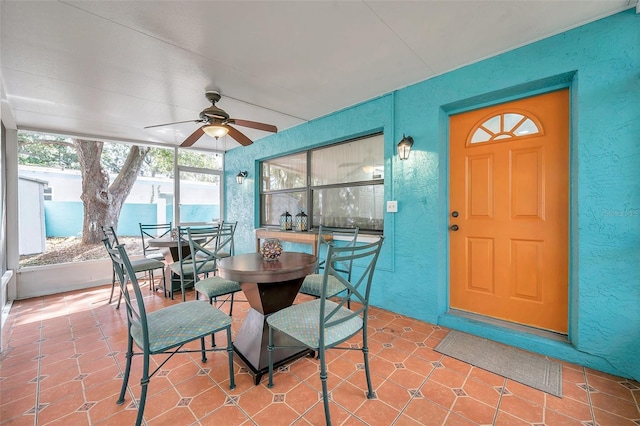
point(306, 237)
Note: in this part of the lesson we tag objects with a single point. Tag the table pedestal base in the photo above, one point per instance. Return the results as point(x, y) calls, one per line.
point(251, 346)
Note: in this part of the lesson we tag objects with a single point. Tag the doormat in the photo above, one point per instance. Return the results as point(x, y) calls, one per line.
point(515, 364)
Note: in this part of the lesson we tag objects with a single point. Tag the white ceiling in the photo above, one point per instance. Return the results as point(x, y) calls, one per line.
point(108, 68)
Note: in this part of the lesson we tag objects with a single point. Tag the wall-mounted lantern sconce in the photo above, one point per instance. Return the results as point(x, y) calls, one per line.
point(240, 177)
point(404, 147)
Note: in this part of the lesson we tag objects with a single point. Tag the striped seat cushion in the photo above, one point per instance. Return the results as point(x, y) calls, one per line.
point(177, 324)
point(312, 285)
point(302, 322)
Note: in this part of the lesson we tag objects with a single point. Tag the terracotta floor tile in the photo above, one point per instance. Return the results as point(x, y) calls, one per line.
point(393, 394)
point(521, 408)
point(374, 411)
point(474, 410)
point(617, 387)
point(257, 398)
point(554, 418)
point(438, 393)
point(83, 341)
point(275, 414)
point(426, 412)
point(614, 405)
point(75, 419)
point(605, 418)
point(302, 398)
point(61, 407)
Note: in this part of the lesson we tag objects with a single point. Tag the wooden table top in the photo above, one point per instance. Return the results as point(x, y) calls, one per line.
point(252, 267)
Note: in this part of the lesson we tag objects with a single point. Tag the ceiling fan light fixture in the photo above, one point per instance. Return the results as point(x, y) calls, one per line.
point(215, 130)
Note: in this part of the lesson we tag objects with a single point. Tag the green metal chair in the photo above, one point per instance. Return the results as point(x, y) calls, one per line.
point(312, 284)
point(164, 331)
point(153, 231)
point(323, 324)
point(139, 265)
point(225, 244)
point(203, 266)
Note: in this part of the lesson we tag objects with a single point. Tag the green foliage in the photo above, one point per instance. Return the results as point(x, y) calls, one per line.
point(38, 149)
point(35, 149)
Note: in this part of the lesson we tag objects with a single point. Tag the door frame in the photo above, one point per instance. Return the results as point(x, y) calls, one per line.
point(451, 317)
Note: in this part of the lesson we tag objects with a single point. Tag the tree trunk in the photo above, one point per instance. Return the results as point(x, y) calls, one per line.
point(103, 202)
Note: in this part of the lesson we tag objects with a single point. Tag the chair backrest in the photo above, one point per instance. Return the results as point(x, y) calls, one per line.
point(110, 233)
point(136, 312)
point(350, 237)
point(153, 231)
point(203, 245)
point(225, 242)
point(358, 286)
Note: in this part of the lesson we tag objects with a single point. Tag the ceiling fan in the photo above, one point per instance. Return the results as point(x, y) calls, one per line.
point(216, 123)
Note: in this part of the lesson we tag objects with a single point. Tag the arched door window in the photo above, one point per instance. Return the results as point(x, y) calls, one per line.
point(507, 125)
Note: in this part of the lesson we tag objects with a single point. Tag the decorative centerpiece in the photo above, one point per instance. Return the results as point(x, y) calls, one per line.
point(271, 249)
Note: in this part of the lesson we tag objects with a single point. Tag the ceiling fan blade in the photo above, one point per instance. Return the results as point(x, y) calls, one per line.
point(175, 122)
point(239, 136)
point(193, 137)
point(255, 125)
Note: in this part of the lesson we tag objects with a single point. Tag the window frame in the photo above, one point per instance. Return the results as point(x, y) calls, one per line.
point(309, 189)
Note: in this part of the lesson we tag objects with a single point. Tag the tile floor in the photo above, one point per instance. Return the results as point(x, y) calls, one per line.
point(65, 354)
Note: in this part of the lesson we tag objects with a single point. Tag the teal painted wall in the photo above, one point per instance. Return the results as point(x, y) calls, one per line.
point(600, 62)
point(65, 218)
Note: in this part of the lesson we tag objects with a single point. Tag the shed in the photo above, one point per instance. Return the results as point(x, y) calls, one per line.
point(31, 225)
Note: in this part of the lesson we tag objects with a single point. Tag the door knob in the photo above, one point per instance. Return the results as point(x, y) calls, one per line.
point(454, 213)
point(454, 227)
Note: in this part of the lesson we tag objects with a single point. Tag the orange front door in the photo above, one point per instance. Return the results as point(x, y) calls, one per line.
point(509, 168)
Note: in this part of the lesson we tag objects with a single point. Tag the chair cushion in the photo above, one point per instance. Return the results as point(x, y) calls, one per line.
point(302, 322)
point(216, 286)
point(312, 285)
point(157, 255)
point(187, 267)
point(177, 324)
point(140, 265)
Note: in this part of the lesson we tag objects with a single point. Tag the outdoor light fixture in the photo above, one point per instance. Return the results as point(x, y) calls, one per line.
point(404, 147)
point(240, 177)
point(215, 131)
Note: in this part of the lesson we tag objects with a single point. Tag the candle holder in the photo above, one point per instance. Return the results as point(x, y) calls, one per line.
point(301, 222)
point(285, 221)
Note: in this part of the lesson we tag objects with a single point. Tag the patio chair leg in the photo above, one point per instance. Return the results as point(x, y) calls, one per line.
point(270, 349)
point(232, 381)
point(213, 335)
point(325, 391)
point(164, 283)
point(204, 354)
point(144, 383)
point(127, 370)
point(113, 284)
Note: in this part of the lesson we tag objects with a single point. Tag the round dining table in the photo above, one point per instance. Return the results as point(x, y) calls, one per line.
point(268, 286)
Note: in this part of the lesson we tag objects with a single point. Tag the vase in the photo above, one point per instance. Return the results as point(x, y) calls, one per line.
point(271, 249)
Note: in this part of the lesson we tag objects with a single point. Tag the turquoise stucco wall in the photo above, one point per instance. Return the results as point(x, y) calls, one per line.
point(65, 218)
point(600, 62)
